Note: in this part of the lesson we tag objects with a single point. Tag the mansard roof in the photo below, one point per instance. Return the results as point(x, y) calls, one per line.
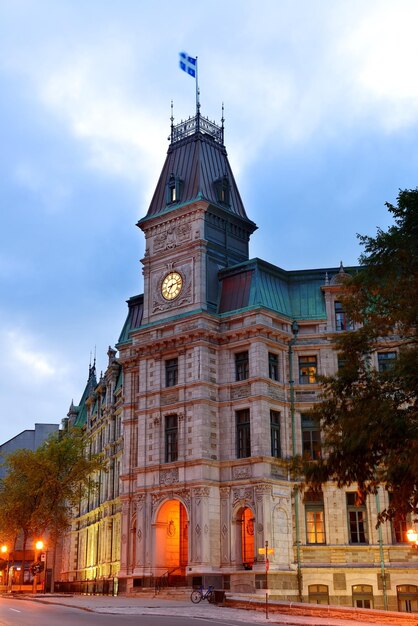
point(78, 414)
point(296, 294)
point(134, 317)
point(198, 160)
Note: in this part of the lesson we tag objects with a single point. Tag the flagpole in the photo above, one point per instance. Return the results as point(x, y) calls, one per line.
point(197, 98)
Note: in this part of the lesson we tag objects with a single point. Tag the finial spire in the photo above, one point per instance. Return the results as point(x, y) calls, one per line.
point(222, 122)
point(172, 121)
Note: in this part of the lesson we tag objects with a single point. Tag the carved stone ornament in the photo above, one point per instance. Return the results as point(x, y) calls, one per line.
point(171, 235)
point(201, 492)
point(198, 530)
point(242, 471)
point(206, 529)
point(263, 490)
point(139, 535)
point(171, 528)
point(184, 495)
point(169, 476)
point(243, 494)
point(224, 530)
point(225, 491)
point(156, 499)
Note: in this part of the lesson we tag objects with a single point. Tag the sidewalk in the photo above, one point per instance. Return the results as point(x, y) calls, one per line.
point(162, 606)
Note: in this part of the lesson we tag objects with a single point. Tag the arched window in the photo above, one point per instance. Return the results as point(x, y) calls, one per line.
point(407, 598)
point(318, 594)
point(362, 596)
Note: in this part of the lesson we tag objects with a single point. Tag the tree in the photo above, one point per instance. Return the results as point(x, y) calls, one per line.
point(41, 487)
point(369, 417)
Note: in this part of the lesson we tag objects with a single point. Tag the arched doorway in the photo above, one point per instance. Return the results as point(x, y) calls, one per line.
point(246, 519)
point(171, 539)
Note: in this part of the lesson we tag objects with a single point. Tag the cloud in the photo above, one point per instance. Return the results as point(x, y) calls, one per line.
point(26, 359)
point(383, 50)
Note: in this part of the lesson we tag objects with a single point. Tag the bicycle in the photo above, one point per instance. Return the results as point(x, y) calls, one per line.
point(198, 595)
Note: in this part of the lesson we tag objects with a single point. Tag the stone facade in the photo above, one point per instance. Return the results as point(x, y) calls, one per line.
point(91, 551)
point(217, 381)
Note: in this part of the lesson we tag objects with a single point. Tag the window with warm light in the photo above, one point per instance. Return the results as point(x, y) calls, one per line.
point(308, 369)
point(314, 517)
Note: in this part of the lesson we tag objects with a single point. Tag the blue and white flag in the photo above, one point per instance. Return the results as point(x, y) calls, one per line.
point(188, 64)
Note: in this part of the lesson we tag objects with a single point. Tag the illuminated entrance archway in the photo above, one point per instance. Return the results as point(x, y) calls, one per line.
point(247, 537)
point(171, 538)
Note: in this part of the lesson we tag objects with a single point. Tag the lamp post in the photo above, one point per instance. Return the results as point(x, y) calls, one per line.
point(267, 571)
point(292, 342)
point(265, 552)
point(412, 537)
point(4, 550)
point(38, 547)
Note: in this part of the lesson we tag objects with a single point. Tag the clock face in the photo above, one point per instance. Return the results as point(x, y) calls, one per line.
point(171, 286)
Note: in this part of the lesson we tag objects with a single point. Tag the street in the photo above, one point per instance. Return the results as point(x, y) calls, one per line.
point(22, 612)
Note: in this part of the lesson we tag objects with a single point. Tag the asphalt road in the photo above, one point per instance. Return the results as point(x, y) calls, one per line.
point(27, 613)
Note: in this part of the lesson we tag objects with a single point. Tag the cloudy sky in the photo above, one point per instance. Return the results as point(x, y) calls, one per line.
point(321, 107)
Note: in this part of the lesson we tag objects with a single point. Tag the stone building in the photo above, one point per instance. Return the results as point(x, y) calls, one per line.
point(91, 551)
point(220, 358)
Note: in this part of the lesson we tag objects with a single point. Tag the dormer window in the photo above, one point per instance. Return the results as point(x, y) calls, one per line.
point(173, 189)
point(223, 190)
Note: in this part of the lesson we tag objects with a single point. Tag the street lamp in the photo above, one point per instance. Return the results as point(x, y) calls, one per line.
point(4, 550)
point(38, 547)
point(412, 537)
point(266, 551)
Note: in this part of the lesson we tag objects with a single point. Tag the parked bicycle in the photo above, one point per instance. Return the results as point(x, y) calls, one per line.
point(198, 595)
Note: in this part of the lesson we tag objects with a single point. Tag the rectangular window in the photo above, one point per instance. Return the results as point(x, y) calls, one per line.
point(314, 517)
point(386, 361)
point(399, 530)
point(273, 366)
point(308, 369)
point(241, 366)
point(357, 519)
point(173, 189)
point(275, 433)
point(341, 362)
point(341, 320)
point(243, 433)
point(311, 438)
point(171, 372)
point(171, 431)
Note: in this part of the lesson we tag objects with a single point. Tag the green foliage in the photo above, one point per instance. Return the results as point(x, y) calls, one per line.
point(369, 418)
point(42, 486)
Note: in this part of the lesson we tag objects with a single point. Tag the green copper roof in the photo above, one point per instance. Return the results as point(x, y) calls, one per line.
point(81, 409)
point(295, 294)
point(119, 380)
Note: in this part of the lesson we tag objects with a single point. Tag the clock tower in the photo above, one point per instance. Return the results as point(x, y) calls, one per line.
point(196, 224)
